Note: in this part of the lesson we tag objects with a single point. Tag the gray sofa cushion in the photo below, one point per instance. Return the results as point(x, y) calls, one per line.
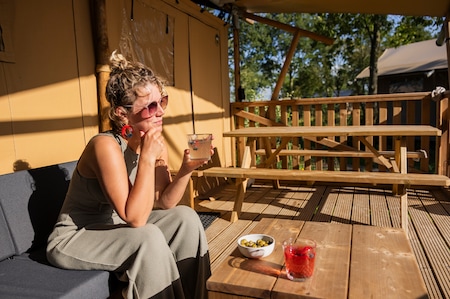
point(6, 244)
point(15, 191)
point(29, 205)
point(31, 200)
point(21, 277)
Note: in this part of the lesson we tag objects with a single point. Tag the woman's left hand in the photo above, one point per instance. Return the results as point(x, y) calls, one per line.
point(190, 164)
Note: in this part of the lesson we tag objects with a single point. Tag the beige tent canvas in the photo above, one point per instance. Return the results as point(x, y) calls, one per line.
point(416, 57)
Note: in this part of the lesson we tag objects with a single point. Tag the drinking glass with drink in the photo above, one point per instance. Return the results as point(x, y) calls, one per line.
point(299, 256)
point(200, 146)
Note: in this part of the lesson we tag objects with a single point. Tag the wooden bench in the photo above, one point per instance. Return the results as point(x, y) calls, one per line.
point(373, 178)
point(340, 154)
point(352, 261)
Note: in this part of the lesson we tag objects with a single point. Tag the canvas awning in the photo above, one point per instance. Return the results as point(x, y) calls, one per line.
point(416, 57)
point(436, 8)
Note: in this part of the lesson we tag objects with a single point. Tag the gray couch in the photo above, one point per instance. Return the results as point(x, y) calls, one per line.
point(30, 201)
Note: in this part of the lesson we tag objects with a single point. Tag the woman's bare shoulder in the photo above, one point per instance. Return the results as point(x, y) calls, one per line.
point(101, 149)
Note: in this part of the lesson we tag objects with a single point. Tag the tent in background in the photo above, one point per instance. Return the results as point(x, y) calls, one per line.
point(414, 67)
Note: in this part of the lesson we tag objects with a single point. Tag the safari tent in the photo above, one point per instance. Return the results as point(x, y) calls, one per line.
point(53, 67)
point(420, 66)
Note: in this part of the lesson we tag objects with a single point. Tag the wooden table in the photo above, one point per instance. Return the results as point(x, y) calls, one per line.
point(352, 261)
point(320, 134)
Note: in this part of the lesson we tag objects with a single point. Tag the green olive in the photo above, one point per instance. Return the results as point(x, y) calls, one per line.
point(257, 244)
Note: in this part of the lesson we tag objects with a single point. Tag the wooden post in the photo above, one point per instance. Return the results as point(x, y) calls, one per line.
point(237, 69)
point(444, 157)
point(402, 188)
point(241, 185)
point(102, 59)
point(442, 151)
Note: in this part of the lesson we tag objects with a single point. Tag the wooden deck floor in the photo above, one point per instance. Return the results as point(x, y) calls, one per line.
point(429, 219)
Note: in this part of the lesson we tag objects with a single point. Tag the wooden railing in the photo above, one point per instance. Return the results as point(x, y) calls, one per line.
point(405, 108)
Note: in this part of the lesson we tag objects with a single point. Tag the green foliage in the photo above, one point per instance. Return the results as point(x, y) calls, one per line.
point(318, 69)
point(411, 30)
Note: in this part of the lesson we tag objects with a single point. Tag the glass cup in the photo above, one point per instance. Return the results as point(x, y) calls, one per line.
point(299, 257)
point(200, 146)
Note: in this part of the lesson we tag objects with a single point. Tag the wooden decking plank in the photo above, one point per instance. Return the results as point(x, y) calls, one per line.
point(298, 199)
point(258, 208)
point(444, 199)
point(301, 197)
point(216, 228)
point(289, 205)
point(435, 247)
point(254, 203)
point(393, 203)
point(303, 192)
point(343, 208)
point(325, 211)
point(438, 213)
point(378, 208)
point(272, 207)
point(221, 201)
point(220, 241)
point(443, 195)
point(361, 209)
point(441, 222)
point(424, 265)
point(309, 207)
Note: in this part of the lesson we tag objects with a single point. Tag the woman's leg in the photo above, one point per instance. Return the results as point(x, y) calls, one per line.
point(141, 255)
point(185, 235)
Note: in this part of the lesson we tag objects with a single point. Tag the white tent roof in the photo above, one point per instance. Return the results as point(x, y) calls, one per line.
point(415, 57)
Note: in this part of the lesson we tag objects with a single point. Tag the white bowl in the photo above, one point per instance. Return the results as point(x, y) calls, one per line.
point(256, 252)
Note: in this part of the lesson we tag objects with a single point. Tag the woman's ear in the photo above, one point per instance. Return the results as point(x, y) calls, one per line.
point(121, 111)
point(122, 114)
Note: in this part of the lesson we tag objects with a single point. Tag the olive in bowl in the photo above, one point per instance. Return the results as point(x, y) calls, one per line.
point(256, 245)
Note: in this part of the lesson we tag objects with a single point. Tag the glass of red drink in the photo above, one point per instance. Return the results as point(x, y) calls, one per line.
point(299, 257)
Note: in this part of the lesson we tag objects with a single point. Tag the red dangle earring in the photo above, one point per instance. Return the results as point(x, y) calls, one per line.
point(127, 131)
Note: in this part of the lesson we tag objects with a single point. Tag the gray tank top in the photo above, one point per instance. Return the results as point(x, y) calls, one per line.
point(85, 204)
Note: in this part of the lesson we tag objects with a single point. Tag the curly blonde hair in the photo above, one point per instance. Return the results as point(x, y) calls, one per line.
point(125, 79)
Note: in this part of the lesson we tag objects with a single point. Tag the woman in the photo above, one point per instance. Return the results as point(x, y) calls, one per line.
point(120, 213)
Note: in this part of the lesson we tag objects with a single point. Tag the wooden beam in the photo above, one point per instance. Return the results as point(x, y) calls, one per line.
point(411, 96)
point(285, 67)
point(379, 156)
point(324, 39)
point(256, 118)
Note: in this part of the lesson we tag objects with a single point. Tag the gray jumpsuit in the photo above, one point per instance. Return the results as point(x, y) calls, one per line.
point(166, 258)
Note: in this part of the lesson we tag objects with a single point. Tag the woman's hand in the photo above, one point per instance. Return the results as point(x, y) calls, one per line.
point(175, 190)
point(152, 144)
point(190, 165)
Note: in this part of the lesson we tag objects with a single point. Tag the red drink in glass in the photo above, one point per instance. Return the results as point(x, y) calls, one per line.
point(299, 257)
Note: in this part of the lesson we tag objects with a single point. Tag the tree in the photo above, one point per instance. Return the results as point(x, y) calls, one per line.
point(362, 39)
point(318, 69)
